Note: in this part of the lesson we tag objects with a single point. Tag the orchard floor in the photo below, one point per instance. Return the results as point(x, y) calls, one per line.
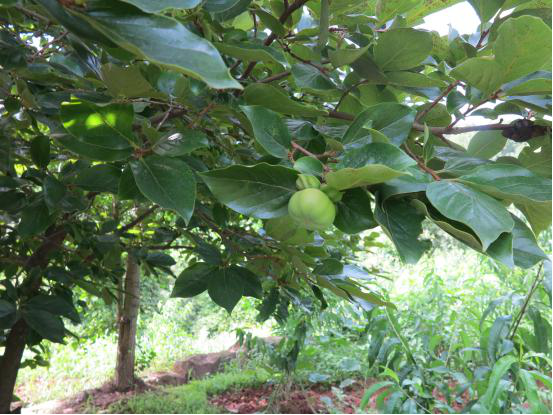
point(315, 399)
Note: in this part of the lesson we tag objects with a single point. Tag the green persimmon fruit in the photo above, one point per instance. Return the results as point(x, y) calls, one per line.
point(312, 209)
point(307, 181)
point(333, 194)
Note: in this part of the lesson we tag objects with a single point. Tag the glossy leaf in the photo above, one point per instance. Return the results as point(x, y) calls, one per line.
point(483, 214)
point(486, 144)
point(398, 49)
point(164, 41)
point(193, 280)
point(157, 6)
point(180, 143)
point(269, 130)
point(168, 182)
point(354, 213)
point(40, 151)
point(99, 178)
point(402, 224)
point(275, 99)
point(391, 119)
point(261, 191)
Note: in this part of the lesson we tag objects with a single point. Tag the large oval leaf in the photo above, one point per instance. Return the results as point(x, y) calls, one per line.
point(484, 215)
point(169, 182)
point(402, 48)
point(261, 191)
point(157, 6)
point(391, 119)
point(269, 130)
point(164, 41)
point(193, 280)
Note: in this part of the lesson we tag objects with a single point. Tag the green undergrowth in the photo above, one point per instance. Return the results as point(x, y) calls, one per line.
point(192, 398)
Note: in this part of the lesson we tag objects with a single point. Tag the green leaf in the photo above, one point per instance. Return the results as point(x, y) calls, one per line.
point(512, 46)
point(413, 79)
point(526, 251)
point(391, 119)
point(370, 164)
point(269, 130)
point(483, 73)
point(480, 212)
point(537, 156)
point(46, 324)
point(372, 390)
point(486, 9)
point(165, 41)
point(180, 143)
point(354, 212)
point(226, 9)
point(54, 304)
point(96, 150)
point(537, 83)
point(226, 286)
point(98, 129)
point(261, 191)
point(329, 266)
point(127, 82)
point(99, 178)
point(388, 9)
point(341, 57)
point(310, 79)
point(157, 6)
point(486, 144)
point(538, 215)
point(168, 182)
point(128, 190)
point(494, 389)
point(6, 308)
point(309, 165)
point(40, 151)
point(271, 22)
point(502, 249)
point(193, 280)
point(404, 48)
point(414, 182)
point(286, 230)
point(53, 191)
point(403, 225)
point(510, 182)
point(252, 52)
point(274, 98)
point(34, 220)
point(532, 393)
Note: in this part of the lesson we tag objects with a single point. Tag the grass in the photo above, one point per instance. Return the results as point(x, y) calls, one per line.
point(192, 398)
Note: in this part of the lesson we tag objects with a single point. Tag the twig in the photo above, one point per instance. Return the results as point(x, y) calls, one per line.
point(348, 90)
point(201, 114)
point(473, 107)
point(271, 38)
point(531, 292)
point(421, 165)
point(435, 102)
point(137, 220)
point(303, 150)
point(274, 77)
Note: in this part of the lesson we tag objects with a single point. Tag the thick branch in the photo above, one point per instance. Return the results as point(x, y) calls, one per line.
point(434, 130)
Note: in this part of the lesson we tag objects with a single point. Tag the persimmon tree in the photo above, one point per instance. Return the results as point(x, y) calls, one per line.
point(217, 112)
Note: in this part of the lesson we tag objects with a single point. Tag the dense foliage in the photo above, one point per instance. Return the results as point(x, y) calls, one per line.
point(137, 127)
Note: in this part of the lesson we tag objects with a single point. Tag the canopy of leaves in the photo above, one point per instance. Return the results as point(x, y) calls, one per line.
point(135, 125)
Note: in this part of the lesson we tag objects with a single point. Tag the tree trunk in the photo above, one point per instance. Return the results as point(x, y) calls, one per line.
point(126, 343)
point(9, 365)
point(17, 337)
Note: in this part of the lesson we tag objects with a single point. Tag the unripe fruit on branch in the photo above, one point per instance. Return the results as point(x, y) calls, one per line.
point(306, 181)
point(333, 194)
point(312, 209)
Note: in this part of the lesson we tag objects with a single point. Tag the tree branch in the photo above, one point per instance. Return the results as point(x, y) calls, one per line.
point(421, 114)
point(137, 220)
point(272, 37)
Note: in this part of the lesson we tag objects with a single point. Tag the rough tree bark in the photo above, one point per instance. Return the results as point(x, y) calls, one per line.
point(126, 343)
point(9, 365)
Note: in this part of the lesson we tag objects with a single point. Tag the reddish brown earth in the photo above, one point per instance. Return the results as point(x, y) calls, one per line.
point(295, 401)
